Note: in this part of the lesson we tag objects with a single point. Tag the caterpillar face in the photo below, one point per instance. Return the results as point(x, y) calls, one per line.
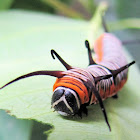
point(65, 101)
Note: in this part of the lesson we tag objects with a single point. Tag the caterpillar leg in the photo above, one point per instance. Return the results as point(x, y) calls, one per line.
point(115, 96)
point(83, 109)
point(91, 61)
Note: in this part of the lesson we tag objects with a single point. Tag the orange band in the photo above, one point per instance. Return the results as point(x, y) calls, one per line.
point(74, 84)
point(99, 48)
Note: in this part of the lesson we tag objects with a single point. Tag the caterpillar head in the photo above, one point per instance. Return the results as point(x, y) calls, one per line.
point(65, 101)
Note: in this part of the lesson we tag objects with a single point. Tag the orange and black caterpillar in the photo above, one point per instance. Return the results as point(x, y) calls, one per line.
point(77, 88)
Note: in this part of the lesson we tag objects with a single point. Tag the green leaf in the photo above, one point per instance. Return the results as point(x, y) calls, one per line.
point(25, 46)
point(130, 23)
point(95, 28)
point(17, 129)
point(5, 4)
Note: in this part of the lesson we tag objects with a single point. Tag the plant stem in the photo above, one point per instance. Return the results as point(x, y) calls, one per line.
point(63, 8)
point(95, 28)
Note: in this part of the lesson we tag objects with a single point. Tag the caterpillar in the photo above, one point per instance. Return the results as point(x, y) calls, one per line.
point(77, 88)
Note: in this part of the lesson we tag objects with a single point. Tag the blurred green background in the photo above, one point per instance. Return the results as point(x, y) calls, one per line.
point(77, 9)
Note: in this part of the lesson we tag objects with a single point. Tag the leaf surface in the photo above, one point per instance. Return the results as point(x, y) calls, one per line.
point(26, 40)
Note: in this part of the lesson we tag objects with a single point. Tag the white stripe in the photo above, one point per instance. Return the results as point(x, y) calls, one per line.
point(67, 104)
point(58, 101)
point(75, 95)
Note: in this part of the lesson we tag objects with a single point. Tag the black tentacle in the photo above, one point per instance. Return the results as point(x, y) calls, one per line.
point(97, 95)
point(91, 61)
point(115, 72)
point(67, 66)
point(99, 78)
point(104, 25)
point(58, 74)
